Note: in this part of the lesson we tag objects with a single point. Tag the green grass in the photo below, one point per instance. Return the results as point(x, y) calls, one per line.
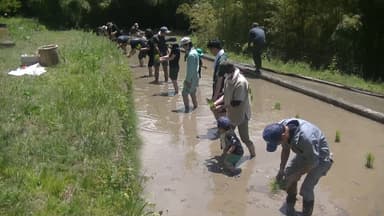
point(304, 69)
point(68, 138)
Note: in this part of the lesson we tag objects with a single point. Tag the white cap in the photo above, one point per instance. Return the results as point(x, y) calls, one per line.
point(185, 40)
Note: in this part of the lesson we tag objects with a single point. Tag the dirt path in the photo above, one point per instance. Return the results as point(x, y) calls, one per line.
point(177, 149)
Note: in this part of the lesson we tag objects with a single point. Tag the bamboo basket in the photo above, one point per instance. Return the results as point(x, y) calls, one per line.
point(48, 55)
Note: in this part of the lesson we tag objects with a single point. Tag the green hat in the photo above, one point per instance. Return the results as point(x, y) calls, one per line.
point(200, 52)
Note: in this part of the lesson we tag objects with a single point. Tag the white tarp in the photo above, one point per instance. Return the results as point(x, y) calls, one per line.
point(34, 70)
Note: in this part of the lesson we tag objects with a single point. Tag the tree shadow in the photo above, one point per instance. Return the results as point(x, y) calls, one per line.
point(250, 73)
point(183, 110)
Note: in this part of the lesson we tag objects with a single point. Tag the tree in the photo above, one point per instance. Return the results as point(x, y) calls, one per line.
point(9, 7)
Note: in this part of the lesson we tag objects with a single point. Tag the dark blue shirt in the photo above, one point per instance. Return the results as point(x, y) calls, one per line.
point(232, 140)
point(175, 61)
point(161, 42)
point(257, 35)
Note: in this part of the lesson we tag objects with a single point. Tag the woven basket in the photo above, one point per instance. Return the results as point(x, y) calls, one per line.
point(48, 55)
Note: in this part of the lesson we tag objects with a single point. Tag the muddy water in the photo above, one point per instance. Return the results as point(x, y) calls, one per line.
point(371, 102)
point(177, 154)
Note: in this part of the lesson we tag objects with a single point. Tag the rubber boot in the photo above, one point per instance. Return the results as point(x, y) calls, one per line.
point(251, 149)
point(291, 201)
point(308, 207)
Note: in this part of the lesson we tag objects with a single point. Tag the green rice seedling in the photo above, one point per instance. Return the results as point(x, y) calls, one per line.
point(369, 159)
point(210, 103)
point(277, 106)
point(337, 137)
point(274, 186)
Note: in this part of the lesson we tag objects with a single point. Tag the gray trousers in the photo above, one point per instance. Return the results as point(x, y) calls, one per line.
point(312, 177)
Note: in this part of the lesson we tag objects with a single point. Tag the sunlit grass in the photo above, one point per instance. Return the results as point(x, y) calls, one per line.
point(304, 69)
point(68, 137)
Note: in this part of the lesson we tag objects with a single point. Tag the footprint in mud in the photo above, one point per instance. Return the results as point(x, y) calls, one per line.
point(154, 82)
point(169, 189)
point(143, 76)
point(182, 110)
point(165, 94)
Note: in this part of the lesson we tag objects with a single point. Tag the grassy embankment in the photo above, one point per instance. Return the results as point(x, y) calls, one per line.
point(68, 137)
point(304, 69)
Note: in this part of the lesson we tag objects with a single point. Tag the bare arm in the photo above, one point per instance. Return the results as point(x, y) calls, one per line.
point(283, 162)
point(231, 149)
point(167, 57)
point(284, 157)
point(218, 104)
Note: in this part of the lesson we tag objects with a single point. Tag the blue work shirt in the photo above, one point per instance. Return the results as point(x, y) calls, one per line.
point(257, 35)
point(307, 141)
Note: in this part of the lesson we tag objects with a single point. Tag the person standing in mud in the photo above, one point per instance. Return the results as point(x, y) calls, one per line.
point(313, 157)
point(257, 43)
point(152, 51)
point(192, 76)
point(217, 50)
point(173, 58)
point(163, 49)
point(236, 102)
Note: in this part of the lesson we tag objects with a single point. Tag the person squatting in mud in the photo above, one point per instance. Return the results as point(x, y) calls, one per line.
point(231, 146)
point(312, 157)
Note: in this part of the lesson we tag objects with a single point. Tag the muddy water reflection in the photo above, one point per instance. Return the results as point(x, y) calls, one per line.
point(176, 147)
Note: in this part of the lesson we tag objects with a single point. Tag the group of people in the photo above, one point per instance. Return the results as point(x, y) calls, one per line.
point(230, 105)
point(313, 157)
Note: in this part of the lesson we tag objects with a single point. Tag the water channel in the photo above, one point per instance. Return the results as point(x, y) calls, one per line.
point(178, 148)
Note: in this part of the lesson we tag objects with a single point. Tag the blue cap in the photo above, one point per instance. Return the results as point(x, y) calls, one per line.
point(272, 135)
point(224, 122)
